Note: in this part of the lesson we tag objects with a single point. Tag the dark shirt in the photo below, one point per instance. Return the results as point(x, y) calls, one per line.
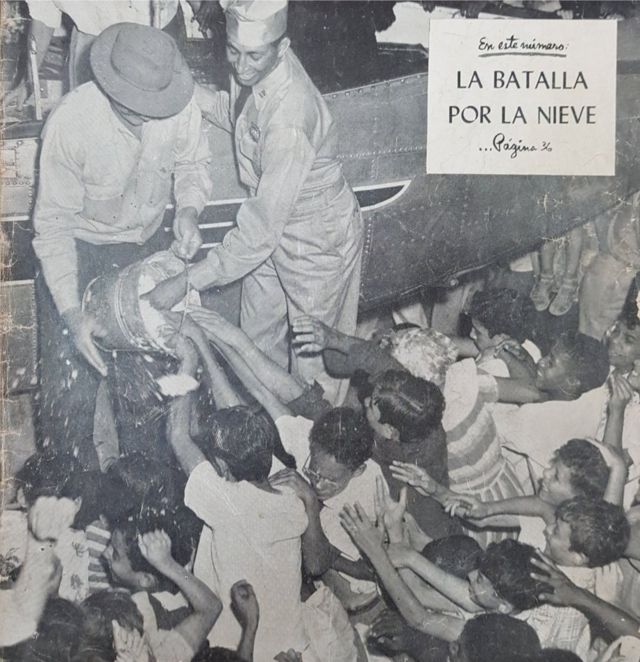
point(431, 455)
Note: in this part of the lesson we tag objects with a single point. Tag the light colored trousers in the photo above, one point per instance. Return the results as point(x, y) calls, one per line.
point(314, 271)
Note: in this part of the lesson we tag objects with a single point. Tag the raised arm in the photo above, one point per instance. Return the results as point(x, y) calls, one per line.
point(621, 393)
point(341, 353)
point(223, 393)
point(564, 593)
point(450, 586)
point(618, 473)
point(469, 507)
point(249, 363)
point(244, 605)
point(369, 540)
point(188, 454)
point(156, 549)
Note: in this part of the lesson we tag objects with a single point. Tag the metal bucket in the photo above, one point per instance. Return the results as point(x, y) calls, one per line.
point(131, 324)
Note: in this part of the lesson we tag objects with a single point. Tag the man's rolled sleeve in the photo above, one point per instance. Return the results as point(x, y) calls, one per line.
point(288, 158)
point(193, 184)
point(60, 201)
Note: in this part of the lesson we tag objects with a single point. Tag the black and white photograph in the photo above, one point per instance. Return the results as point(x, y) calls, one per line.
point(320, 331)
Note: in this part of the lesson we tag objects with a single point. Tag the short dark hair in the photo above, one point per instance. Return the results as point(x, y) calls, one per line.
point(503, 310)
point(413, 406)
point(556, 655)
point(599, 529)
point(140, 473)
point(345, 435)
point(458, 555)
point(217, 654)
point(245, 440)
point(498, 638)
point(589, 471)
point(99, 610)
point(507, 565)
point(101, 494)
point(59, 632)
point(589, 361)
point(45, 473)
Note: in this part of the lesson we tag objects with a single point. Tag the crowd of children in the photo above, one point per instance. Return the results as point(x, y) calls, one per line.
point(476, 498)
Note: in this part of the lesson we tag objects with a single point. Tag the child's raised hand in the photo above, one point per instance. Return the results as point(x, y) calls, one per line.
point(466, 507)
point(562, 591)
point(311, 336)
point(187, 354)
point(49, 517)
point(620, 391)
point(368, 537)
point(245, 604)
point(415, 476)
point(390, 513)
point(155, 546)
point(212, 323)
point(129, 644)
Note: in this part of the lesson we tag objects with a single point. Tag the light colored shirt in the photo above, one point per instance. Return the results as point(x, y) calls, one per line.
point(93, 16)
point(286, 147)
point(254, 535)
point(560, 627)
point(166, 645)
point(539, 429)
point(294, 433)
point(101, 184)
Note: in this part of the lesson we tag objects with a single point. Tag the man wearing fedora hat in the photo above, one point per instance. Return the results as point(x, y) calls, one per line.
point(299, 236)
point(113, 152)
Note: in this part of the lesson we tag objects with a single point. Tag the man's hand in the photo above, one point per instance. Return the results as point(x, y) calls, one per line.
point(49, 517)
point(310, 335)
point(155, 546)
point(129, 644)
point(83, 327)
point(245, 604)
point(365, 535)
point(390, 513)
point(562, 591)
point(187, 233)
point(165, 295)
point(292, 479)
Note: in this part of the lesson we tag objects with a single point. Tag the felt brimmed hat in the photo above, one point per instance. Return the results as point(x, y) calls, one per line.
point(141, 68)
point(255, 23)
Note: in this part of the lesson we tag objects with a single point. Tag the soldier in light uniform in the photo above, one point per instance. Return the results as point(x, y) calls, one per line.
point(299, 236)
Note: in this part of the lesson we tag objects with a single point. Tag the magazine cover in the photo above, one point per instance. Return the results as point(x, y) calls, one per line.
point(320, 331)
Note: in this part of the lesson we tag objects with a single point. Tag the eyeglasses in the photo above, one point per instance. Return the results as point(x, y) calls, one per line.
point(317, 478)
